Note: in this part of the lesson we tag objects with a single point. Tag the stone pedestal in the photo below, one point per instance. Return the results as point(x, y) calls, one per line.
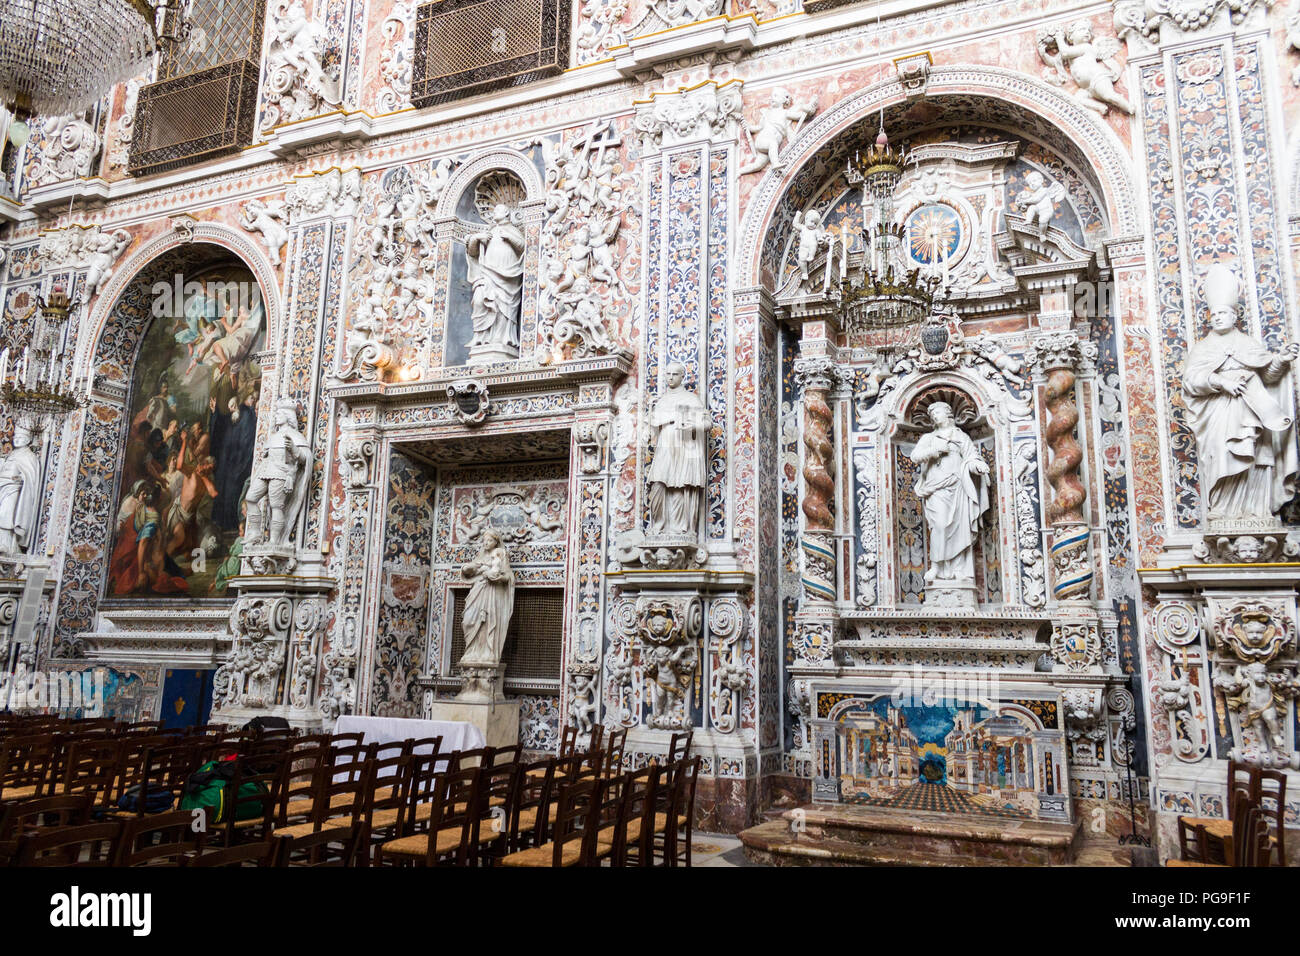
point(950, 594)
point(497, 719)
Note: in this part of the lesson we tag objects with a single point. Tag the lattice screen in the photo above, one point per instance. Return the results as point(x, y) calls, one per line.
point(535, 641)
point(204, 103)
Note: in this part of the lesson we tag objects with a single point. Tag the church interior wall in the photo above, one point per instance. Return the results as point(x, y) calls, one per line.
point(647, 240)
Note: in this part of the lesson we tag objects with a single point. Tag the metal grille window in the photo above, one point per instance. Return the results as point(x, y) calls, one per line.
point(205, 100)
point(465, 47)
point(534, 643)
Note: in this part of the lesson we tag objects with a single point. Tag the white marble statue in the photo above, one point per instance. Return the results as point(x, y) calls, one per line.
point(268, 218)
point(297, 84)
point(101, 250)
point(489, 604)
point(279, 483)
point(496, 266)
point(679, 422)
point(951, 484)
point(1039, 199)
point(1089, 62)
point(776, 124)
point(20, 489)
point(813, 237)
point(1241, 407)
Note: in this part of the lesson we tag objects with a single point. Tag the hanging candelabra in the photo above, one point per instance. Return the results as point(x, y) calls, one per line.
point(36, 382)
point(884, 299)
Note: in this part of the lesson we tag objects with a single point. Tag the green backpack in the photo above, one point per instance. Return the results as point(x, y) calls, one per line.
point(207, 786)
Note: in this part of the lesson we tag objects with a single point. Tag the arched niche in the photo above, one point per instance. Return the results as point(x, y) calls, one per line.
point(957, 97)
point(176, 409)
point(464, 210)
point(975, 414)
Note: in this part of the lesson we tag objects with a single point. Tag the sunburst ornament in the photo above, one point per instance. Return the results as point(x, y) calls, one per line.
point(933, 234)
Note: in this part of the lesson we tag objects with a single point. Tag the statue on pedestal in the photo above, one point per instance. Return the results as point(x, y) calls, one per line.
point(951, 484)
point(1242, 411)
point(20, 489)
point(679, 421)
point(489, 605)
point(495, 258)
point(279, 483)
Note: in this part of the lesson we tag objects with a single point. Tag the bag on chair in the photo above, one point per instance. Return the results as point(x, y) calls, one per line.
point(206, 788)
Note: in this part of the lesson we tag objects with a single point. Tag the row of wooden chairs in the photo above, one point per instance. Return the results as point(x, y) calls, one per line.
point(1210, 841)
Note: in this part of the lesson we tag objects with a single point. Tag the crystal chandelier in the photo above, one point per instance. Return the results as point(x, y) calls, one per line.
point(36, 381)
point(61, 56)
point(886, 300)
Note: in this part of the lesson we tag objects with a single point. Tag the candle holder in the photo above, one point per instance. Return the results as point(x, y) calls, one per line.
point(35, 383)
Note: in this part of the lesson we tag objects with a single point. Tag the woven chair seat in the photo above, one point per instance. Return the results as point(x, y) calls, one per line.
point(544, 856)
point(18, 793)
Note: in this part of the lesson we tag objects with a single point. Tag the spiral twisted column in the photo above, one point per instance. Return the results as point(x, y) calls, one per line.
point(1058, 356)
point(817, 376)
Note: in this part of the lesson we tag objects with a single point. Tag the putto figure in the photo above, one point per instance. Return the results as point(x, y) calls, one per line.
point(775, 125)
point(496, 269)
point(679, 421)
point(951, 484)
point(1089, 62)
point(279, 484)
point(1240, 405)
point(489, 604)
point(20, 488)
point(1039, 199)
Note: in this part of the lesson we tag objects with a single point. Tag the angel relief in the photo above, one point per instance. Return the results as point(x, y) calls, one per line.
point(1074, 54)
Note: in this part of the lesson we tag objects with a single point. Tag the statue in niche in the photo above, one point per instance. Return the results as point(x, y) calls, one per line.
point(679, 422)
point(496, 267)
point(279, 482)
point(20, 488)
point(489, 604)
point(813, 237)
point(1039, 199)
point(1258, 706)
point(951, 485)
point(1242, 411)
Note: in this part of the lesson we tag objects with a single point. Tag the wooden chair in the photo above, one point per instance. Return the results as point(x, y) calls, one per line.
point(1243, 780)
point(25, 767)
point(498, 792)
point(534, 808)
point(573, 838)
point(92, 768)
point(1248, 844)
point(24, 817)
point(568, 741)
point(162, 839)
point(249, 817)
point(300, 778)
point(92, 844)
point(245, 854)
point(676, 807)
point(1272, 807)
point(342, 803)
point(445, 833)
point(632, 841)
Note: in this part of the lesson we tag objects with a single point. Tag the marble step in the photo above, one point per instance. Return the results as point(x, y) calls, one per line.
point(772, 844)
point(923, 838)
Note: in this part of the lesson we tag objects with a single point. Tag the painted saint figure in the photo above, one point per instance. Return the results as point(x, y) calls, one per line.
point(950, 483)
point(495, 259)
point(489, 604)
point(1240, 406)
point(20, 488)
point(680, 422)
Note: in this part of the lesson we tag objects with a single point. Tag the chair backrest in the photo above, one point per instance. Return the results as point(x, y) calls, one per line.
point(635, 836)
point(345, 793)
point(92, 768)
point(679, 745)
point(475, 757)
point(350, 739)
point(301, 777)
point(578, 809)
point(328, 847)
point(455, 807)
point(568, 740)
point(259, 775)
point(512, 754)
point(1272, 807)
point(498, 793)
point(597, 737)
point(91, 844)
point(348, 760)
point(615, 744)
point(160, 839)
point(25, 816)
point(245, 854)
point(1242, 779)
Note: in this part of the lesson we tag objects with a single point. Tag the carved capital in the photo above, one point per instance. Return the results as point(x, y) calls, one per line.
point(708, 111)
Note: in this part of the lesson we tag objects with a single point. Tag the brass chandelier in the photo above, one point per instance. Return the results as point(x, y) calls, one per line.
point(885, 299)
point(60, 56)
point(36, 381)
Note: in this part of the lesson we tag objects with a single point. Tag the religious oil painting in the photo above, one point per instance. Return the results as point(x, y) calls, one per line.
point(189, 452)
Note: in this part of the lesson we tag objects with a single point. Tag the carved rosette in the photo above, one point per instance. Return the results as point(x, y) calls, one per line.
point(669, 630)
